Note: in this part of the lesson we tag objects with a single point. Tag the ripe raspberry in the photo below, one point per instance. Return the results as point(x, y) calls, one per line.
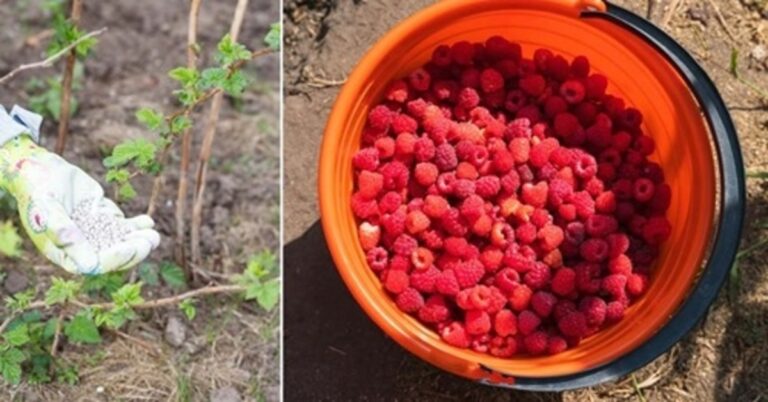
point(614, 285)
point(588, 278)
point(435, 206)
point(594, 250)
point(542, 303)
point(377, 258)
point(503, 161)
point(466, 170)
point(435, 310)
point(420, 79)
point(566, 125)
point(487, 186)
point(620, 265)
point(416, 222)
point(550, 236)
point(453, 223)
point(594, 309)
point(520, 297)
point(425, 173)
point(468, 98)
point(656, 230)
point(637, 284)
point(533, 85)
point(520, 149)
point(614, 311)
point(643, 189)
point(369, 184)
point(558, 68)
point(515, 100)
point(554, 106)
point(400, 263)
point(564, 281)
point(505, 323)
point(445, 157)
point(397, 91)
point(595, 86)
point(396, 281)
point(469, 273)
point(424, 149)
point(573, 91)
point(527, 322)
point(477, 322)
point(379, 118)
point(446, 283)
point(556, 345)
point(535, 195)
point(441, 56)
point(394, 223)
point(491, 80)
point(573, 325)
point(538, 276)
point(422, 258)
point(369, 235)
point(404, 245)
point(585, 205)
point(536, 343)
point(385, 146)
point(499, 48)
point(390, 202)
point(366, 159)
point(455, 335)
point(472, 208)
point(601, 225)
point(362, 207)
point(396, 175)
point(462, 53)
point(539, 154)
point(409, 300)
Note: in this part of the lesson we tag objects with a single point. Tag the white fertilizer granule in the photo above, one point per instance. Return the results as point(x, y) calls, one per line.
point(102, 230)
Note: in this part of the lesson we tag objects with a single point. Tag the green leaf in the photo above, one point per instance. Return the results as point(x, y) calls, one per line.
point(128, 295)
point(187, 306)
point(17, 336)
point(20, 300)
point(10, 241)
point(231, 51)
point(126, 191)
point(734, 66)
point(272, 39)
point(173, 275)
point(213, 77)
point(10, 365)
point(118, 175)
point(266, 294)
point(148, 274)
point(262, 264)
point(235, 84)
point(180, 123)
point(185, 75)
point(150, 118)
point(61, 291)
point(108, 283)
point(82, 329)
point(141, 151)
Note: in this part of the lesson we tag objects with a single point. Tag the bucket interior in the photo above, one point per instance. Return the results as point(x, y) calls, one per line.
point(636, 73)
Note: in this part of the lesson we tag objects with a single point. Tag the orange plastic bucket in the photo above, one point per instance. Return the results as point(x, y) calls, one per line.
point(698, 151)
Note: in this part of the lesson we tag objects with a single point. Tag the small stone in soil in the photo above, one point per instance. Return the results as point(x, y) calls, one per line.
point(175, 331)
point(101, 229)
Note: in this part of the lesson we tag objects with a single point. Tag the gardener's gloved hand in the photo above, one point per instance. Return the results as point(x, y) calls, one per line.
point(48, 189)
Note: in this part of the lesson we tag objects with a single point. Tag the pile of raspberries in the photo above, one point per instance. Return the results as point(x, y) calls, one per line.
point(509, 203)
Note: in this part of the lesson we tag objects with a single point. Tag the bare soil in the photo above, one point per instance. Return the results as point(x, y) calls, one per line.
point(349, 358)
point(228, 344)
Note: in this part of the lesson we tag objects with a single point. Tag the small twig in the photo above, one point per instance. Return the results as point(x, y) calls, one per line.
point(66, 84)
point(186, 145)
point(57, 334)
point(152, 349)
point(52, 59)
point(722, 21)
point(649, 10)
point(207, 146)
point(170, 301)
point(34, 40)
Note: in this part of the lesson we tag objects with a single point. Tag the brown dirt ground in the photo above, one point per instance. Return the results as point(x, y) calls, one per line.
point(228, 344)
point(349, 358)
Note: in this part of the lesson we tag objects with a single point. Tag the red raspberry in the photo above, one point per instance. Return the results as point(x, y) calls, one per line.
point(366, 159)
point(369, 235)
point(425, 173)
point(535, 195)
point(563, 308)
point(558, 68)
point(520, 297)
point(564, 281)
point(424, 281)
point(533, 85)
point(499, 48)
point(520, 149)
point(477, 322)
point(369, 184)
point(469, 273)
point(661, 199)
point(614, 311)
point(595, 86)
point(507, 280)
point(452, 223)
point(487, 186)
point(424, 149)
point(396, 175)
point(632, 118)
point(446, 283)
point(404, 245)
point(573, 325)
point(390, 202)
point(445, 157)
point(567, 212)
point(400, 263)
point(656, 230)
point(601, 225)
point(417, 108)
point(445, 90)
point(550, 237)
point(538, 276)
point(536, 343)
point(463, 188)
point(525, 233)
point(620, 265)
point(594, 309)
point(435, 310)
point(504, 347)
point(505, 323)
point(462, 53)
point(420, 79)
point(585, 205)
point(556, 345)
point(455, 335)
point(472, 208)
point(362, 207)
point(397, 91)
point(580, 67)
point(540, 152)
point(594, 250)
point(468, 98)
point(396, 281)
point(543, 303)
point(503, 161)
point(416, 222)
point(442, 56)
point(554, 106)
point(379, 118)
point(377, 258)
point(566, 125)
point(482, 226)
point(527, 322)
point(541, 218)
point(541, 59)
point(470, 77)
point(394, 224)
point(573, 91)
point(466, 170)
point(435, 206)
point(554, 258)
point(403, 123)
point(614, 285)
point(409, 300)
point(643, 189)
point(385, 146)
point(588, 278)
point(422, 258)
point(491, 80)
point(637, 284)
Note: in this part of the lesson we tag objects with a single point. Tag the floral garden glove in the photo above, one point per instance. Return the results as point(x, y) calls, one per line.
point(63, 209)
